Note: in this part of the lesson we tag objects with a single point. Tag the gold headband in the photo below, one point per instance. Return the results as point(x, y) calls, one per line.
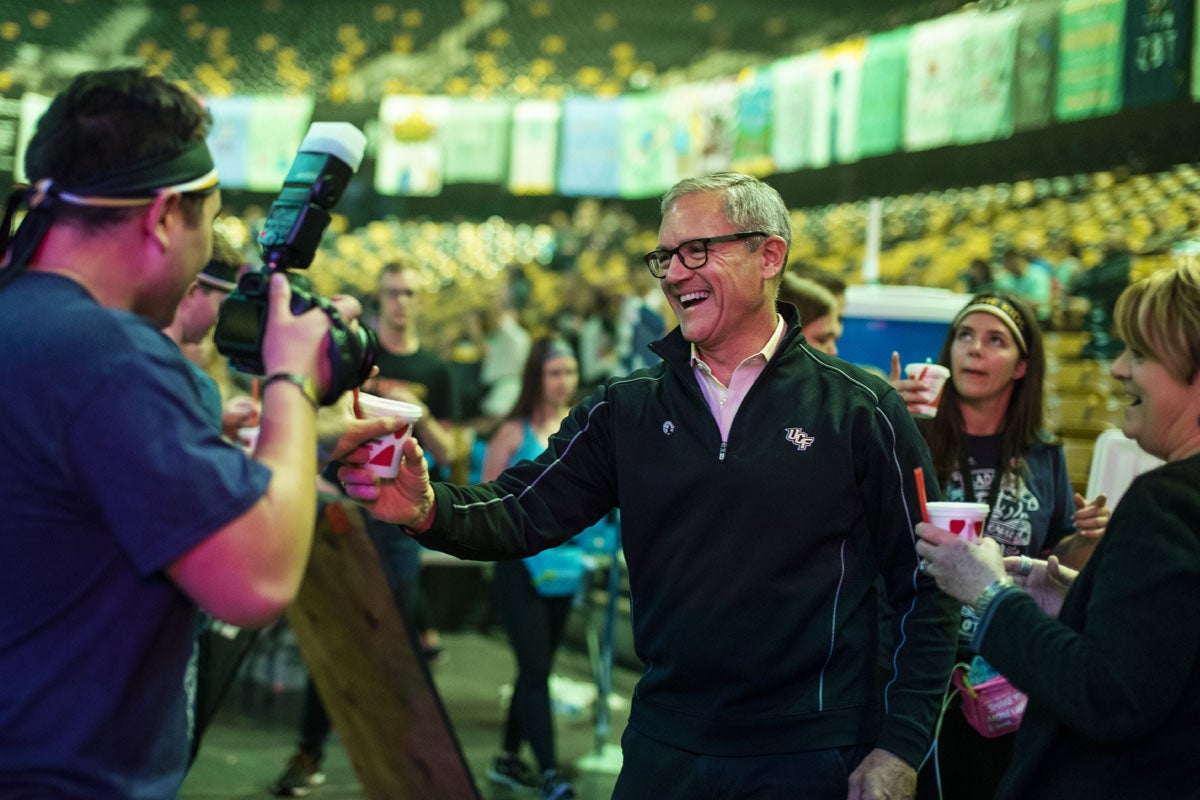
point(1002, 310)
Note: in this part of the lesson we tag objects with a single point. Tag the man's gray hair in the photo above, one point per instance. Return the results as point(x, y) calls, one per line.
point(750, 204)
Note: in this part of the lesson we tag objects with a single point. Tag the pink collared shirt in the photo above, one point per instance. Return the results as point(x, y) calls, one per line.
point(724, 401)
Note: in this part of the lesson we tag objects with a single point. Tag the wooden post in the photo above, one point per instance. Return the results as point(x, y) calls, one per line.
point(368, 673)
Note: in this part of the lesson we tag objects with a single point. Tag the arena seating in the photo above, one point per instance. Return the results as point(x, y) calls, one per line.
point(544, 48)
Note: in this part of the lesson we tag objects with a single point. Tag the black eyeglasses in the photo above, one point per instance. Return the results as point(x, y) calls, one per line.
point(693, 253)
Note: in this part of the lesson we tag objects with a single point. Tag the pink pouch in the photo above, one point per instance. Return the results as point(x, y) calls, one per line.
point(994, 707)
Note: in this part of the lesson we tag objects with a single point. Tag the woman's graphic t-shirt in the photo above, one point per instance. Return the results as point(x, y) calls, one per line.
point(1031, 512)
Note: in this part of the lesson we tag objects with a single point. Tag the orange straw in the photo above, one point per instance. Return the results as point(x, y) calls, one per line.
point(254, 390)
point(357, 410)
point(919, 474)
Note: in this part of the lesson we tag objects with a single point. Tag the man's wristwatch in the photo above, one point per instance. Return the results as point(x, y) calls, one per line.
point(989, 594)
point(307, 385)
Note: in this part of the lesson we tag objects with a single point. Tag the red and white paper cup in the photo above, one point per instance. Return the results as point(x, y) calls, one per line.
point(933, 376)
point(247, 439)
point(962, 519)
point(384, 458)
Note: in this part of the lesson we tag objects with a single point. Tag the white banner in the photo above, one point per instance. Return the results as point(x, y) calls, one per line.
point(985, 98)
point(534, 160)
point(795, 89)
point(409, 161)
point(935, 57)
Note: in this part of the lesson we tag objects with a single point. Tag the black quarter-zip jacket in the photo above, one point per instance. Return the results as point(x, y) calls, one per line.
point(753, 562)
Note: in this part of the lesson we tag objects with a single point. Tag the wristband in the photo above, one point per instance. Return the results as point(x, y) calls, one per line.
point(306, 384)
point(989, 594)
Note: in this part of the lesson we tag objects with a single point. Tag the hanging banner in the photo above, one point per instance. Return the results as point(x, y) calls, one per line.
point(703, 126)
point(277, 126)
point(254, 139)
point(752, 133)
point(838, 97)
point(935, 64)
point(1090, 55)
point(1158, 41)
point(719, 125)
point(534, 157)
point(32, 107)
point(884, 84)
point(410, 145)
point(10, 124)
point(591, 147)
point(1033, 67)
point(984, 107)
point(794, 86)
point(475, 141)
point(647, 166)
point(845, 70)
point(1196, 57)
point(229, 139)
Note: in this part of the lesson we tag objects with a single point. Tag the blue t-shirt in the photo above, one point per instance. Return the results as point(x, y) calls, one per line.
point(560, 570)
point(110, 470)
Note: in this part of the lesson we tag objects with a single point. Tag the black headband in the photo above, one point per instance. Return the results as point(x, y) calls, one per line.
point(187, 170)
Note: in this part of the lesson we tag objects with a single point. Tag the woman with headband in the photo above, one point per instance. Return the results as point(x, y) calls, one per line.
point(988, 446)
point(534, 596)
point(1110, 658)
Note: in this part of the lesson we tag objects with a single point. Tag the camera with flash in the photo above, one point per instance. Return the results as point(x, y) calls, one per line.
point(328, 158)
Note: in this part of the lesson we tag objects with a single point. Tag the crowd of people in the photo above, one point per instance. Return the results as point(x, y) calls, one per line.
point(751, 467)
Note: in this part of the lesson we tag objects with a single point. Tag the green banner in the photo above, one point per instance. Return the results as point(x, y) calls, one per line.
point(1033, 69)
point(1090, 55)
point(881, 113)
point(1158, 41)
point(1195, 57)
point(475, 142)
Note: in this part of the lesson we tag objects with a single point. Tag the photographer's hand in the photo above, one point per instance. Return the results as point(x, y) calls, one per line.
point(291, 343)
point(405, 500)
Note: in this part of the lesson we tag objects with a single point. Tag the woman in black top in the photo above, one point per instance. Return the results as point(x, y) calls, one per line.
point(1112, 663)
point(989, 446)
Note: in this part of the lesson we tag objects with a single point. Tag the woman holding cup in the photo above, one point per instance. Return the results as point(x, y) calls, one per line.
point(988, 447)
point(534, 610)
point(1111, 664)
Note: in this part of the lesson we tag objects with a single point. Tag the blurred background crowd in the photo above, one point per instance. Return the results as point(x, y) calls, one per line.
point(1045, 147)
point(1084, 180)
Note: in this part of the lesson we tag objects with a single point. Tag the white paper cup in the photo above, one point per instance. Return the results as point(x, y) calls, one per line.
point(934, 377)
point(962, 519)
point(247, 439)
point(384, 458)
